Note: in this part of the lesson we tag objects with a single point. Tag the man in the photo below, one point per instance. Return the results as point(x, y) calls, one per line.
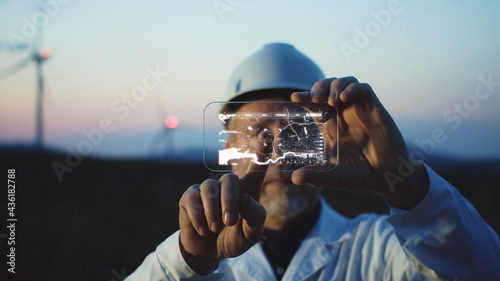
point(268, 223)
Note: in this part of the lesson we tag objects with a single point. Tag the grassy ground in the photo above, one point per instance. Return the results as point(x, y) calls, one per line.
point(105, 216)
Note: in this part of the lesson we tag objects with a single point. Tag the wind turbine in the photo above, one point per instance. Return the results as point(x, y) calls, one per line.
point(38, 56)
point(168, 125)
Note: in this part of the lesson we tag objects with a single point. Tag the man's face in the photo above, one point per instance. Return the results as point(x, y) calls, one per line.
point(279, 195)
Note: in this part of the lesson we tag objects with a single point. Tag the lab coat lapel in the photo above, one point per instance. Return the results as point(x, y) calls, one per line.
point(254, 263)
point(321, 245)
point(312, 256)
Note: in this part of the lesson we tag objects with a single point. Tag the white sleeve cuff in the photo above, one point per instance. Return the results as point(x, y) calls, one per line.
point(167, 263)
point(438, 199)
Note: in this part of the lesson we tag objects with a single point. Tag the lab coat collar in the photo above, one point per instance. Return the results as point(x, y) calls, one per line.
point(320, 245)
point(330, 227)
point(317, 249)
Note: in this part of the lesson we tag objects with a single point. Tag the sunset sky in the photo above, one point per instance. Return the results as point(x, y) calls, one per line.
point(435, 65)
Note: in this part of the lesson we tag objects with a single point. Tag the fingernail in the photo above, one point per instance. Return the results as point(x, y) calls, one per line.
point(229, 218)
point(331, 99)
point(344, 93)
point(304, 95)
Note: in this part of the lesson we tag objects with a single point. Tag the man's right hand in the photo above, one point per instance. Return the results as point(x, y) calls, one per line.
point(222, 219)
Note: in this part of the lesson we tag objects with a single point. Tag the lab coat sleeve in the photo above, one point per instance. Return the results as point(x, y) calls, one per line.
point(445, 238)
point(167, 263)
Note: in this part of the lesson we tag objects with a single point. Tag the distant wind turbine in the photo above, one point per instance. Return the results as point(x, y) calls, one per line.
point(38, 56)
point(167, 127)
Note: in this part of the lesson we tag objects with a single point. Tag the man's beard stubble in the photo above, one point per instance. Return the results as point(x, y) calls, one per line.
point(289, 203)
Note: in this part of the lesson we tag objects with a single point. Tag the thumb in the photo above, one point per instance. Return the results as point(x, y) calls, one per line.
point(253, 215)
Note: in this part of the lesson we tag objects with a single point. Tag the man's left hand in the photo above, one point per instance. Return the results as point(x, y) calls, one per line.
point(371, 148)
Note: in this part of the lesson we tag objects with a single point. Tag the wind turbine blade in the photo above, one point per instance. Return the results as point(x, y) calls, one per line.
point(160, 108)
point(156, 141)
point(159, 137)
point(16, 67)
point(37, 41)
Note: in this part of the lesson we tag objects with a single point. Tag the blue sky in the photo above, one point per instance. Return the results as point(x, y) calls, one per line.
point(424, 61)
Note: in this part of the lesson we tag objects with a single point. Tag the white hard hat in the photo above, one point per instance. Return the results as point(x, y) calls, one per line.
point(275, 66)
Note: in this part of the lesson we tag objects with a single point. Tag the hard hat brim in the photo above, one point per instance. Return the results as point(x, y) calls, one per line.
point(281, 93)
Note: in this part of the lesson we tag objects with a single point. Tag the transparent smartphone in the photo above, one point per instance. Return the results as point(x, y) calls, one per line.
point(305, 135)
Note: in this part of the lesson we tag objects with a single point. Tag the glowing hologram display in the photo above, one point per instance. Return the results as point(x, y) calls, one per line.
point(231, 132)
point(225, 155)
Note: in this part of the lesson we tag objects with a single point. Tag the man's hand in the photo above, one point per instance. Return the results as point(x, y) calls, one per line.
point(222, 219)
point(371, 148)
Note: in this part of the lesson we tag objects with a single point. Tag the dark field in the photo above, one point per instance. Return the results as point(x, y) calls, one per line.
point(102, 220)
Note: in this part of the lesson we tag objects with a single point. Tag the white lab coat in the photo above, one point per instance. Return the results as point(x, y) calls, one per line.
point(442, 238)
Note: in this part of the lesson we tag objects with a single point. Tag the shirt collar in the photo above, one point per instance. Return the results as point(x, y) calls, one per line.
point(328, 232)
point(330, 226)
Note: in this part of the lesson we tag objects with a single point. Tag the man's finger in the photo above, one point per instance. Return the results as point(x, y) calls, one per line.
point(318, 95)
point(230, 194)
point(355, 91)
point(254, 215)
point(320, 90)
point(256, 171)
point(363, 93)
point(337, 87)
point(301, 97)
point(210, 196)
point(191, 202)
point(316, 176)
